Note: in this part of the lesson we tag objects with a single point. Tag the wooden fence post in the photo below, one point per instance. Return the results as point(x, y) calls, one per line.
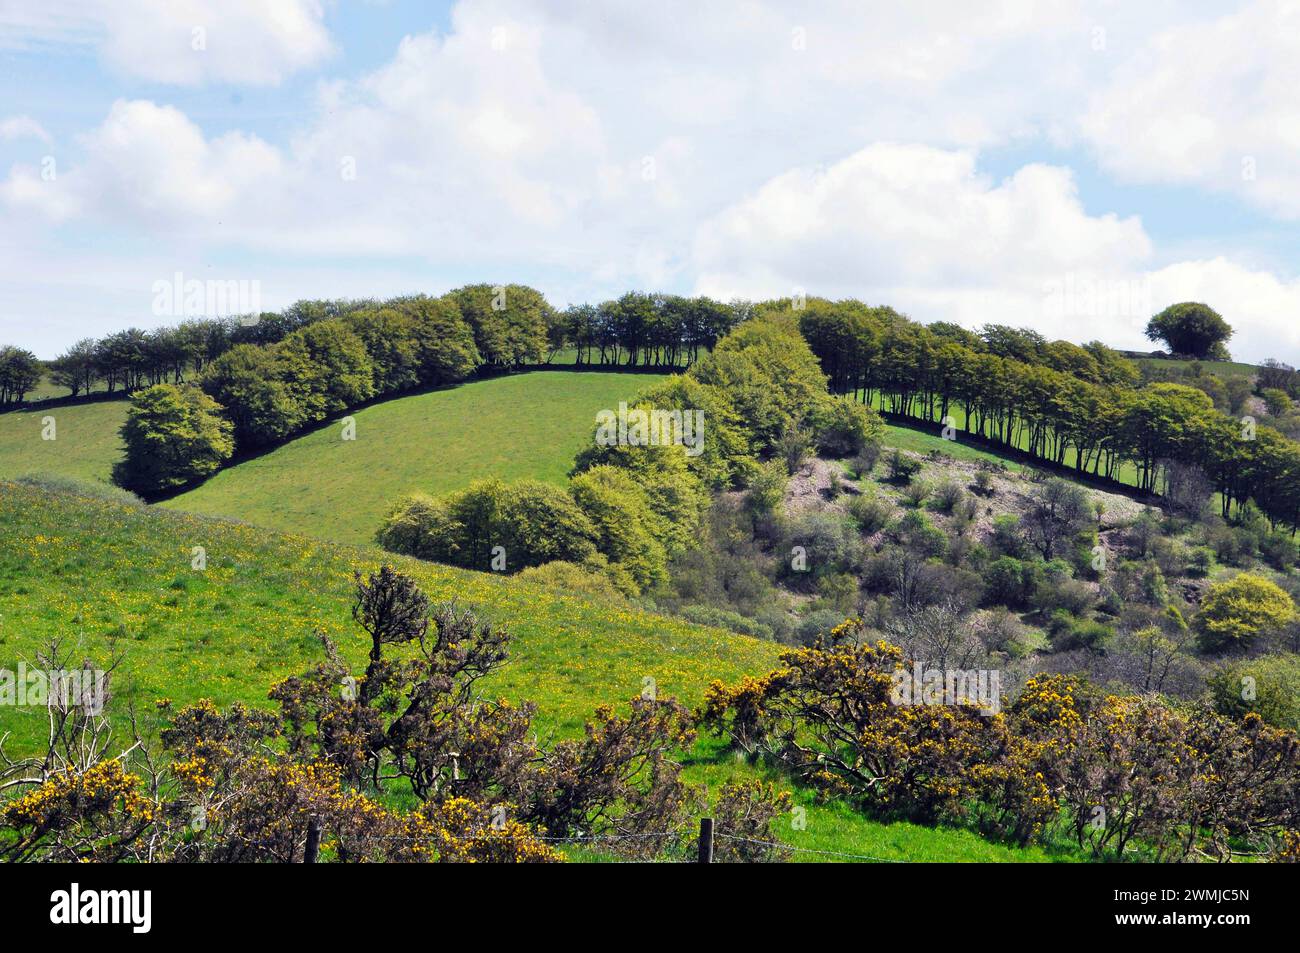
point(313, 841)
point(706, 840)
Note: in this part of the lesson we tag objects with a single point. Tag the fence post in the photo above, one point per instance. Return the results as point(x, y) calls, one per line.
point(313, 841)
point(706, 840)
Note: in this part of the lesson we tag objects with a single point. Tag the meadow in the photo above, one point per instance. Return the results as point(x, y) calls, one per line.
point(85, 447)
point(526, 426)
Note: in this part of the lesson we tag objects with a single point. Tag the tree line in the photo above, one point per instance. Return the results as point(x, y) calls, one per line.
point(1061, 403)
point(513, 325)
point(653, 330)
point(208, 389)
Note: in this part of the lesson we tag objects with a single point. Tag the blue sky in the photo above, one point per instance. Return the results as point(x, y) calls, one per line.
point(959, 162)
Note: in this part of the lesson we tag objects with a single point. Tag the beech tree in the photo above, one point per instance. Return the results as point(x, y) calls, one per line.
point(1191, 328)
point(174, 435)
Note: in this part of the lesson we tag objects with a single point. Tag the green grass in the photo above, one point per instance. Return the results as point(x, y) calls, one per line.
point(96, 572)
point(85, 447)
point(1224, 369)
point(919, 441)
point(524, 426)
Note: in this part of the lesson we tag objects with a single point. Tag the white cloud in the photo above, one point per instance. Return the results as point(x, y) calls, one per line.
point(1213, 103)
point(742, 148)
point(23, 127)
point(915, 227)
point(185, 42)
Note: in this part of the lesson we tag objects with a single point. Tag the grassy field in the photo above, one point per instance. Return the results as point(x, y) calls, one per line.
point(85, 447)
point(1224, 369)
point(529, 425)
point(919, 441)
point(95, 572)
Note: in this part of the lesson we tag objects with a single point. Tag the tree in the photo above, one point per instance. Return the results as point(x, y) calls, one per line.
point(1191, 328)
point(252, 384)
point(20, 371)
point(1236, 613)
point(75, 367)
point(620, 512)
point(174, 435)
point(1060, 512)
point(327, 365)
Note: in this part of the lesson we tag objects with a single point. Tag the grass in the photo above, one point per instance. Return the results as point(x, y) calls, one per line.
point(85, 447)
point(1224, 369)
point(97, 572)
point(524, 426)
point(919, 441)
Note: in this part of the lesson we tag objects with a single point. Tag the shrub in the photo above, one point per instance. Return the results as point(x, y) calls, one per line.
point(915, 493)
point(533, 522)
point(866, 460)
point(902, 467)
point(947, 496)
point(1010, 582)
point(174, 436)
point(792, 448)
point(767, 488)
point(1279, 550)
point(822, 543)
point(1006, 537)
point(1268, 686)
point(844, 426)
point(984, 482)
point(870, 512)
point(745, 816)
point(1236, 613)
point(920, 536)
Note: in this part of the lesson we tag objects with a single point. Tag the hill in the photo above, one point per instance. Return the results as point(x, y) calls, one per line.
point(85, 447)
point(95, 571)
point(523, 426)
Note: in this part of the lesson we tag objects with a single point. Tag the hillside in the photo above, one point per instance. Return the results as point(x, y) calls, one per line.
point(523, 426)
point(91, 571)
point(85, 447)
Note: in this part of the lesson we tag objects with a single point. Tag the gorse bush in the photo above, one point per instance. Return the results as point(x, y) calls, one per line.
point(343, 747)
point(1173, 784)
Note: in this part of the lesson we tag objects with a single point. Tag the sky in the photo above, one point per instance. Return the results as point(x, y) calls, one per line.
point(1071, 167)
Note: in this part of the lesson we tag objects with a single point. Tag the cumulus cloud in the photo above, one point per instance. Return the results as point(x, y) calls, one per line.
point(187, 42)
point(918, 228)
point(1209, 103)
